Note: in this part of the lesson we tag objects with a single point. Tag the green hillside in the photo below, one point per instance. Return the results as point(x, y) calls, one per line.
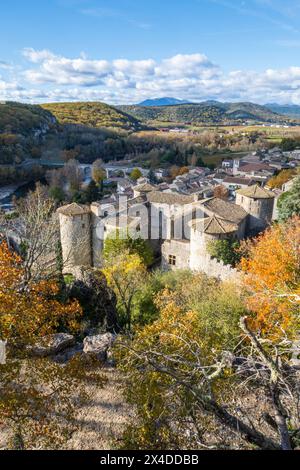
point(211, 112)
point(93, 114)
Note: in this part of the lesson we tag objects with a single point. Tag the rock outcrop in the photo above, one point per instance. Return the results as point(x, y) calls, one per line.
point(99, 345)
point(97, 300)
point(51, 345)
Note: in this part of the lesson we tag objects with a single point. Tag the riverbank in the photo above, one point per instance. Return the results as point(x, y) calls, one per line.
point(11, 191)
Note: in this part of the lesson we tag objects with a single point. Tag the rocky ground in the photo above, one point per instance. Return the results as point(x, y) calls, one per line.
point(102, 421)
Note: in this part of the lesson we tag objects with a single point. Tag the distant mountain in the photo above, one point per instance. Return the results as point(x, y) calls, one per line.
point(208, 112)
point(162, 102)
point(93, 114)
point(292, 110)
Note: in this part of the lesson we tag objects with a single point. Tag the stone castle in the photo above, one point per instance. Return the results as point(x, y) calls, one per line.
point(179, 227)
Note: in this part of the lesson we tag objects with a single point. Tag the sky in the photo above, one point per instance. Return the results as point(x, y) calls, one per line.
point(125, 51)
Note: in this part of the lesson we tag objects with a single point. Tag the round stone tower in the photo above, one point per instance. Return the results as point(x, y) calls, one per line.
point(259, 203)
point(204, 231)
point(75, 235)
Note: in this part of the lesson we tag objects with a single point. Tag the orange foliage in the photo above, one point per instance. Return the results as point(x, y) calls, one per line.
point(30, 311)
point(272, 278)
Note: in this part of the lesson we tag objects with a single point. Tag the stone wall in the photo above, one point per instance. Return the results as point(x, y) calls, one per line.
point(178, 248)
point(213, 268)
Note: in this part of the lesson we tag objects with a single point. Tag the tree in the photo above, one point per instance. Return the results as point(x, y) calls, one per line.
point(35, 393)
point(73, 175)
point(115, 245)
point(279, 180)
point(193, 379)
point(272, 279)
point(37, 229)
point(225, 250)
point(57, 194)
point(98, 173)
point(221, 192)
point(183, 170)
point(92, 192)
point(136, 174)
point(289, 203)
point(125, 273)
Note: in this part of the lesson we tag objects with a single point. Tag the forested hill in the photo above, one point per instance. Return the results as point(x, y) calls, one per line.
point(211, 112)
point(24, 119)
point(93, 114)
point(23, 128)
point(291, 110)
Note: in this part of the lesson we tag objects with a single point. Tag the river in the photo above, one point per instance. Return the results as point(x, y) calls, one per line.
point(8, 192)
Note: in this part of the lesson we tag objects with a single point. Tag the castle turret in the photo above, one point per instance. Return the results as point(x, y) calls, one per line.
point(204, 231)
point(75, 235)
point(259, 203)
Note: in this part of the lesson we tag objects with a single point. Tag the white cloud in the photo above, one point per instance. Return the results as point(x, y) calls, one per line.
point(51, 77)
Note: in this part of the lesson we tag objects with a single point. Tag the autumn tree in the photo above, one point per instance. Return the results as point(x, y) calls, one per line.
point(136, 174)
point(221, 192)
point(98, 173)
point(125, 273)
point(201, 379)
point(279, 180)
point(35, 393)
point(272, 279)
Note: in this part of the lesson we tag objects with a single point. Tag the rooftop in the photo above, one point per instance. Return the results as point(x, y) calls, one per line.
point(224, 209)
point(214, 225)
point(74, 209)
point(256, 192)
point(145, 188)
point(169, 198)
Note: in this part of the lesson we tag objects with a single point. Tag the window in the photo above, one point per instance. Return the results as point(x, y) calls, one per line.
point(138, 228)
point(83, 225)
point(172, 260)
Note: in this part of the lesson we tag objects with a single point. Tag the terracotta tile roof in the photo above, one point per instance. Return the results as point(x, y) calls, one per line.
point(256, 192)
point(74, 209)
point(224, 209)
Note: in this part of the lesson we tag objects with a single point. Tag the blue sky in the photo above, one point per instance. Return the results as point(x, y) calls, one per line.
point(123, 51)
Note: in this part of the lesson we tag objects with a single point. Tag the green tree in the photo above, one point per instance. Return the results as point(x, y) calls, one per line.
point(289, 203)
point(92, 192)
point(225, 250)
point(57, 194)
point(115, 245)
point(136, 174)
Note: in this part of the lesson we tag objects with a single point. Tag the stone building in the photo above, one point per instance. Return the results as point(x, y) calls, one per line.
point(178, 226)
point(259, 203)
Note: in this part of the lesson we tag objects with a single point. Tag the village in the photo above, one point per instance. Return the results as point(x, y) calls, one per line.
point(180, 218)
